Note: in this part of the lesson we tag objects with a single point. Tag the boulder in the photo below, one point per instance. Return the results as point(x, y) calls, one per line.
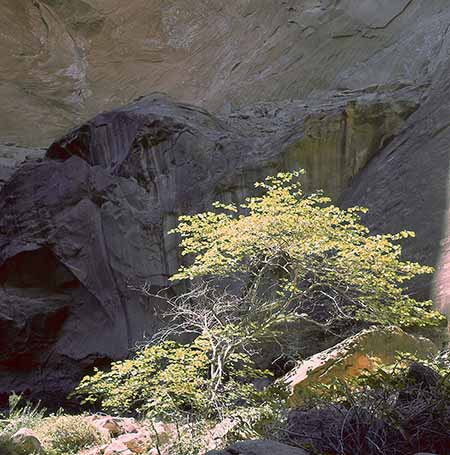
point(318, 427)
point(117, 448)
point(354, 355)
point(214, 438)
point(122, 435)
point(25, 442)
point(164, 433)
point(423, 376)
point(92, 451)
point(263, 447)
point(136, 442)
point(114, 426)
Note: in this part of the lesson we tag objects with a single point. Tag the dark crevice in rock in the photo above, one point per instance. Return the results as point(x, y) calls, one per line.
point(37, 269)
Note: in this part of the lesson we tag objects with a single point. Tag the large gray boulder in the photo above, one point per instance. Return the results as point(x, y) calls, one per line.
point(26, 442)
point(263, 447)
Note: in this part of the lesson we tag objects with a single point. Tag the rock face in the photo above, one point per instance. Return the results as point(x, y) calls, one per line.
point(65, 60)
point(88, 223)
point(354, 355)
point(406, 186)
point(80, 227)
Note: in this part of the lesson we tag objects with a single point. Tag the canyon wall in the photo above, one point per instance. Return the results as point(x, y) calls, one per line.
point(63, 61)
point(354, 91)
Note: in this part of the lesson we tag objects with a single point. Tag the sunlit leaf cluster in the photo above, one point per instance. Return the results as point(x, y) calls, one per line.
point(303, 252)
point(167, 380)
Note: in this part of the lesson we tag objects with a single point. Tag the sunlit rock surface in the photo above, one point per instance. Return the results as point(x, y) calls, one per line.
point(62, 61)
point(349, 359)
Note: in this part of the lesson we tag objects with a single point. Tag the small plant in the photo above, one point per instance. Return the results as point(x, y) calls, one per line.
point(20, 415)
point(66, 435)
point(59, 434)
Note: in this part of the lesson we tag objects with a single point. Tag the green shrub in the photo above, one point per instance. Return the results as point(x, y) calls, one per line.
point(169, 381)
point(66, 435)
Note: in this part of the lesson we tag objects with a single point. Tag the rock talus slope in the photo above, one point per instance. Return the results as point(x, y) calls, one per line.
point(354, 91)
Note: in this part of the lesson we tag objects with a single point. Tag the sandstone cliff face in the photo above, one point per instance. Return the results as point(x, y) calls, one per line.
point(406, 186)
point(65, 60)
point(88, 223)
point(371, 129)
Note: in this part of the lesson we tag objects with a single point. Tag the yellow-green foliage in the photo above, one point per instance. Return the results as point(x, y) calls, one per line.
point(168, 380)
point(278, 258)
point(319, 254)
point(59, 434)
point(64, 435)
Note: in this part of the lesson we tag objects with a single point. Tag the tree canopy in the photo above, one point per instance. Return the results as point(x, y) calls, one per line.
point(300, 251)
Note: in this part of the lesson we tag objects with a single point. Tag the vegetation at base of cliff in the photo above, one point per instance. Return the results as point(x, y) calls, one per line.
point(279, 259)
point(169, 381)
point(397, 409)
point(59, 434)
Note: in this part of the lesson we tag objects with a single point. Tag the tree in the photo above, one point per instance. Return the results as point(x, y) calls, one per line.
point(279, 258)
point(285, 256)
